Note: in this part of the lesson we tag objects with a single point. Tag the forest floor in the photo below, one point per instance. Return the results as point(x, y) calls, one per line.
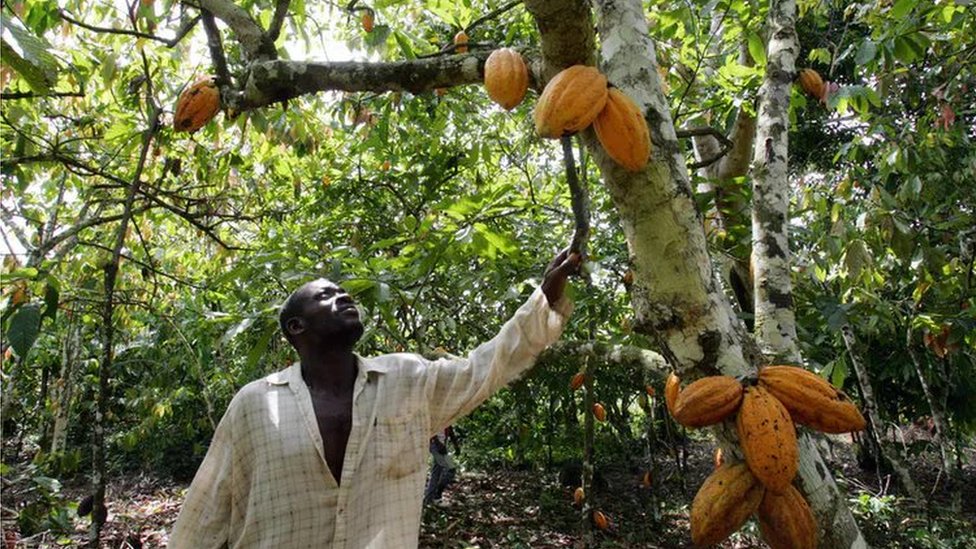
point(532, 509)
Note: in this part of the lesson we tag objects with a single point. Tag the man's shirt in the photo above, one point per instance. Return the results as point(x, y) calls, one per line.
point(264, 482)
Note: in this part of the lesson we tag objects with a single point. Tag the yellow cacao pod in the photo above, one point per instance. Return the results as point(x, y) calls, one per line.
point(672, 388)
point(768, 438)
point(196, 106)
point(723, 503)
point(461, 42)
point(812, 400)
point(786, 521)
point(707, 401)
point(570, 101)
point(623, 132)
point(811, 83)
point(506, 77)
point(599, 412)
point(578, 496)
point(577, 381)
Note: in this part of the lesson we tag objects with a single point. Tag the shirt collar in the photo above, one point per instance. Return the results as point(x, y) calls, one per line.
point(292, 375)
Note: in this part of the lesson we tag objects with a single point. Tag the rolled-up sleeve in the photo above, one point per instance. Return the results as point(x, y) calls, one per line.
point(458, 385)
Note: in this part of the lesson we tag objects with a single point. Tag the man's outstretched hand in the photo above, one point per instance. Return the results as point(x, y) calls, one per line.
point(554, 279)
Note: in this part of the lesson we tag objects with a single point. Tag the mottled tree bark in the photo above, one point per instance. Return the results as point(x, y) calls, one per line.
point(775, 326)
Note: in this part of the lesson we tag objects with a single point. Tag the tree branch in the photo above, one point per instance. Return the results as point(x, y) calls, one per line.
point(281, 11)
point(579, 197)
point(170, 42)
point(216, 49)
point(255, 43)
point(32, 95)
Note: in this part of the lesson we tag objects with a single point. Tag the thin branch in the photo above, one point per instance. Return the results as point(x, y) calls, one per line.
point(492, 14)
point(216, 49)
point(579, 198)
point(281, 11)
point(32, 95)
point(697, 132)
point(169, 42)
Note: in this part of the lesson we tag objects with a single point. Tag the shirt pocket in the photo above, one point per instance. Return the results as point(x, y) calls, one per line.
point(400, 444)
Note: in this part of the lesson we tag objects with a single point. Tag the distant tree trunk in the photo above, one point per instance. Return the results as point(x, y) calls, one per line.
point(775, 322)
point(939, 421)
point(882, 453)
point(586, 478)
point(111, 269)
point(64, 388)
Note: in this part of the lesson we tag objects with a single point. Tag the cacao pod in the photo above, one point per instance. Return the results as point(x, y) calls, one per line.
point(570, 101)
point(649, 389)
point(577, 381)
point(578, 496)
point(196, 106)
point(461, 42)
point(599, 412)
point(367, 21)
point(786, 520)
point(768, 438)
point(707, 401)
point(672, 388)
point(646, 479)
point(723, 503)
point(812, 400)
point(506, 77)
point(717, 458)
point(811, 83)
point(600, 520)
point(623, 132)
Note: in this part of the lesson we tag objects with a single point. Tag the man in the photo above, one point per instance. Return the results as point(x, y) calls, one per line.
point(329, 453)
point(442, 469)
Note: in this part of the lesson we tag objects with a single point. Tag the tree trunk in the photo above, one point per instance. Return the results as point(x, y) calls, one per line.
point(882, 453)
point(775, 323)
point(586, 478)
point(64, 388)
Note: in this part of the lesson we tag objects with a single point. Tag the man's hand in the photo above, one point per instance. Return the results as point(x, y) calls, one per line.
point(554, 279)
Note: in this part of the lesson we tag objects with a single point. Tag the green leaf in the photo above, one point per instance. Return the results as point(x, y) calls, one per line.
point(260, 347)
point(29, 55)
point(24, 328)
point(405, 46)
point(757, 49)
point(902, 8)
point(51, 298)
point(866, 52)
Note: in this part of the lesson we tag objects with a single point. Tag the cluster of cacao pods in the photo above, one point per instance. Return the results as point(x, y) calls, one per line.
point(765, 418)
point(197, 105)
point(579, 96)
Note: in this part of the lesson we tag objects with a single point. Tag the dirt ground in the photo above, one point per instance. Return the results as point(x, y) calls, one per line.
point(530, 509)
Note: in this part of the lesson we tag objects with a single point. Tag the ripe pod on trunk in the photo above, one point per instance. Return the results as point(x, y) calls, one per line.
point(786, 521)
point(623, 132)
point(578, 496)
point(197, 105)
point(577, 381)
point(707, 401)
point(506, 77)
point(672, 388)
point(768, 439)
point(812, 400)
point(600, 520)
point(811, 83)
point(723, 503)
point(570, 101)
point(461, 42)
point(599, 412)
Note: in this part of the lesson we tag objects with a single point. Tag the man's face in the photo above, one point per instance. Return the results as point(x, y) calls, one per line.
point(329, 312)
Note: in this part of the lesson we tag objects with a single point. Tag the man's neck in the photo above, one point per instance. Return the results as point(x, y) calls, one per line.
point(330, 371)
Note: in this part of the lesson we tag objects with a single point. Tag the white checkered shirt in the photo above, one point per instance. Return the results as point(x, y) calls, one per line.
point(264, 482)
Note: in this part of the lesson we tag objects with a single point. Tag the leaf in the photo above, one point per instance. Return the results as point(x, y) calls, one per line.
point(236, 329)
point(25, 325)
point(260, 347)
point(866, 52)
point(29, 55)
point(902, 8)
point(51, 298)
point(757, 49)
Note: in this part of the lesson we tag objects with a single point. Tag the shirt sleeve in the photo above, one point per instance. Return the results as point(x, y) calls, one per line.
point(204, 520)
point(458, 385)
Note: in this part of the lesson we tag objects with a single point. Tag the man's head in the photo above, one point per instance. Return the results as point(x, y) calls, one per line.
point(320, 313)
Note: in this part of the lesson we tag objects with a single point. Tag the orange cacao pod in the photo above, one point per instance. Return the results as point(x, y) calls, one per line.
point(367, 21)
point(506, 77)
point(570, 101)
point(600, 520)
point(812, 400)
point(578, 496)
point(196, 106)
point(599, 412)
point(811, 83)
point(707, 401)
point(649, 389)
point(461, 42)
point(768, 438)
point(623, 132)
point(786, 521)
point(723, 503)
point(672, 388)
point(577, 381)
point(646, 479)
